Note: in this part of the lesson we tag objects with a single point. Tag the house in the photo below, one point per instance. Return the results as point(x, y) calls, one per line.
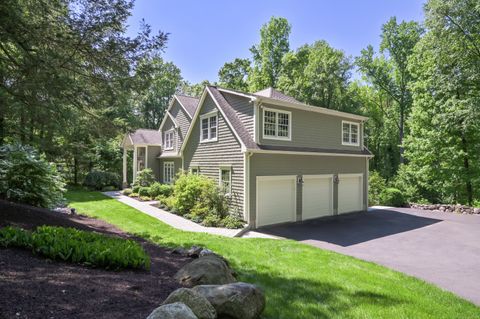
point(280, 160)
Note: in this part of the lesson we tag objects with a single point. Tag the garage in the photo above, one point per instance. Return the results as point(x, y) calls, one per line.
point(317, 197)
point(276, 200)
point(350, 194)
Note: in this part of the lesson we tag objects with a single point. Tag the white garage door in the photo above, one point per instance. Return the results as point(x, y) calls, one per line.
point(276, 196)
point(350, 193)
point(317, 198)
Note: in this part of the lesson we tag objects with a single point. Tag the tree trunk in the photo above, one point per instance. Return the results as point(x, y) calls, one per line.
point(466, 166)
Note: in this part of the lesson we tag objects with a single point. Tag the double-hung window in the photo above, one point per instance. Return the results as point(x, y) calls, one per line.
point(168, 140)
point(350, 133)
point(277, 124)
point(168, 172)
point(208, 127)
point(225, 179)
point(195, 170)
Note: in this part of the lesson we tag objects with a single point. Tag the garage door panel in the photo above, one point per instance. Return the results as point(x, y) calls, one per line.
point(317, 198)
point(350, 193)
point(276, 198)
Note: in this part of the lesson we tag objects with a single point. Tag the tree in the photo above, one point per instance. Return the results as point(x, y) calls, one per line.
point(67, 72)
point(389, 72)
point(195, 90)
point(268, 54)
point(164, 79)
point(234, 75)
point(442, 147)
point(317, 74)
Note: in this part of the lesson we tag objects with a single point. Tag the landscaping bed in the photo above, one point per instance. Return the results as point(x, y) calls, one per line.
point(448, 208)
point(35, 287)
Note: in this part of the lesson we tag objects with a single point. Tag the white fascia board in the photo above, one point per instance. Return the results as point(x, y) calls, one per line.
point(192, 123)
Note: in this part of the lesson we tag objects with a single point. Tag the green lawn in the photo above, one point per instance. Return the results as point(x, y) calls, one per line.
point(299, 281)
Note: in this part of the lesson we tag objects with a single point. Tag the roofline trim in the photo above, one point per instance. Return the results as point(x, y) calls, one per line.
point(260, 151)
point(300, 106)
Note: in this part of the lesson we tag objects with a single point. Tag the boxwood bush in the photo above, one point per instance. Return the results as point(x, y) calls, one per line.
point(392, 197)
point(159, 189)
point(27, 177)
point(77, 246)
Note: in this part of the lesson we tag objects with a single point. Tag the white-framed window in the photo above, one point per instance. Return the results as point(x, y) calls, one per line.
point(225, 179)
point(168, 139)
point(350, 133)
point(168, 172)
point(208, 127)
point(277, 125)
point(195, 170)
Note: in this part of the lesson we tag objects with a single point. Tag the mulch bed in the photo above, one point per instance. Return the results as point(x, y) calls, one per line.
point(35, 287)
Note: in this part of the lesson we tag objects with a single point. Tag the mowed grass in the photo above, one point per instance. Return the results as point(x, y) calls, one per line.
point(299, 281)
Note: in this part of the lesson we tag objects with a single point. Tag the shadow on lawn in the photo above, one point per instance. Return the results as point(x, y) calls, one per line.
point(299, 298)
point(351, 229)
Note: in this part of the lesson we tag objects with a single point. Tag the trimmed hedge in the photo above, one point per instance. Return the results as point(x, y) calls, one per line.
point(77, 246)
point(392, 197)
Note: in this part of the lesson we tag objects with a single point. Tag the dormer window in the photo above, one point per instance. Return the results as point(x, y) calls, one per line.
point(277, 124)
point(350, 132)
point(168, 140)
point(208, 127)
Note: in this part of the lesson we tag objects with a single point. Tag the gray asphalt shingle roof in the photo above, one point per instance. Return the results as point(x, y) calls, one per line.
point(146, 136)
point(277, 95)
point(190, 103)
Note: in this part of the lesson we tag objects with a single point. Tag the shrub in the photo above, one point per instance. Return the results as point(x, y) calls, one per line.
point(144, 178)
point(212, 220)
point(170, 202)
point(158, 189)
point(392, 197)
point(136, 188)
point(133, 195)
point(376, 184)
point(233, 222)
point(72, 245)
point(145, 198)
point(144, 191)
point(27, 177)
point(127, 191)
point(98, 180)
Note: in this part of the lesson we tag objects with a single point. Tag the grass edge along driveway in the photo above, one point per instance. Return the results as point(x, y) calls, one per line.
point(299, 281)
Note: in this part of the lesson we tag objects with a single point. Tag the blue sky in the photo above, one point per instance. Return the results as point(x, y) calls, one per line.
point(206, 34)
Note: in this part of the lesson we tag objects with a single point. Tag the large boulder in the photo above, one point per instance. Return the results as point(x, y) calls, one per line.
point(237, 300)
point(175, 310)
point(206, 270)
point(200, 306)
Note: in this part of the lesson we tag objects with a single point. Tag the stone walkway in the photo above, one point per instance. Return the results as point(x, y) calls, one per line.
point(178, 221)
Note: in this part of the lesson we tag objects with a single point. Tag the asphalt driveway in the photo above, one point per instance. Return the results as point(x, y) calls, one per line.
point(441, 248)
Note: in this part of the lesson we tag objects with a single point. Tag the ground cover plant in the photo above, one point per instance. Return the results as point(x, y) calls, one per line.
point(77, 246)
point(299, 281)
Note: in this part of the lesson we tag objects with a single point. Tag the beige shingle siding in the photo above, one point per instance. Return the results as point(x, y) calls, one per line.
point(277, 164)
point(243, 109)
point(183, 122)
point(211, 156)
point(311, 129)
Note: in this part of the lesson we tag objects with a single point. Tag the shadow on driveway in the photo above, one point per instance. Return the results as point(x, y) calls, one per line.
point(351, 229)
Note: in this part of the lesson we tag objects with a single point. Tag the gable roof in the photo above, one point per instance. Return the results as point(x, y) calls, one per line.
point(146, 136)
point(277, 95)
point(189, 103)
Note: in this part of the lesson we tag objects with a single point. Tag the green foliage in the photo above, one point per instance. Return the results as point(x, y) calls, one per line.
point(127, 191)
point(234, 75)
point(317, 74)
point(392, 197)
point(98, 180)
point(159, 189)
point(376, 184)
point(27, 177)
point(135, 188)
point(144, 178)
point(232, 222)
point(133, 195)
point(190, 189)
point(144, 191)
point(76, 246)
point(211, 220)
point(267, 55)
point(169, 202)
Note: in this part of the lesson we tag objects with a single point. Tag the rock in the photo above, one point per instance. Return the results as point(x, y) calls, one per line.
point(206, 252)
point(206, 270)
point(476, 210)
point(200, 306)
point(194, 251)
point(179, 251)
point(238, 300)
point(175, 310)
point(442, 208)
